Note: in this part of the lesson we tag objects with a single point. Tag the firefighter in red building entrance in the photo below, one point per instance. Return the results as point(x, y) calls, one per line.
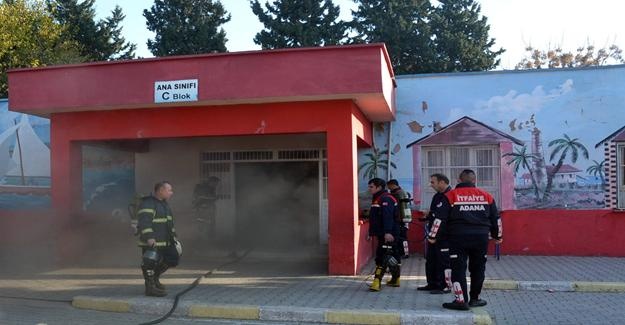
point(157, 238)
point(205, 205)
point(384, 223)
point(467, 215)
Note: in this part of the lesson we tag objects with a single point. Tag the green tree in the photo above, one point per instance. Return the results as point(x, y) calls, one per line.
point(297, 23)
point(186, 27)
point(98, 40)
point(563, 146)
point(402, 25)
point(597, 170)
point(584, 56)
point(460, 37)
point(378, 159)
point(29, 37)
point(521, 159)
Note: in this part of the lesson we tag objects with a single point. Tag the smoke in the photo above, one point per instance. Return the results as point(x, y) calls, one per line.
point(273, 209)
point(277, 206)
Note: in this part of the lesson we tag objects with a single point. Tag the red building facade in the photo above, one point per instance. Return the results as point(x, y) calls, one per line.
point(334, 91)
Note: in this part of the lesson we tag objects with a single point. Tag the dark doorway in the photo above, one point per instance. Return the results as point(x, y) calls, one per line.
point(277, 205)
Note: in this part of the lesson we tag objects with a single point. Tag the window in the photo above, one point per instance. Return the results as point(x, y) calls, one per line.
point(451, 160)
point(221, 165)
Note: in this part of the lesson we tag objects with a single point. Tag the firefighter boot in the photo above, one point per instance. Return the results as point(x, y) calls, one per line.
point(150, 285)
point(394, 281)
point(160, 269)
point(377, 281)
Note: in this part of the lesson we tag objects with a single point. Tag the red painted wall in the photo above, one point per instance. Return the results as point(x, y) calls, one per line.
point(554, 232)
point(345, 126)
point(526, 232)
point(564, 232)
point(360, 72)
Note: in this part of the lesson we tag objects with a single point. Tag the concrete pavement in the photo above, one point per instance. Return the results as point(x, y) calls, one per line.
point(297, 290)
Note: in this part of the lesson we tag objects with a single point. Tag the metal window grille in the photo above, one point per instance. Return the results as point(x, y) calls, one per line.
point(252, 155)
point(298, 154)
point(214, 156)
point(222, 171)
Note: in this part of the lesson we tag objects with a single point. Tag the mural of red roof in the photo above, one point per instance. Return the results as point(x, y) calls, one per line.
point(618, 136)
point(566, 168)
point(466, 131)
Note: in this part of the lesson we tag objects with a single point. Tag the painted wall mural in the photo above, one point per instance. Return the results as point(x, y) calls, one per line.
point(555, 121)
point(108, 180)
point(24, 160)
point(108, 173)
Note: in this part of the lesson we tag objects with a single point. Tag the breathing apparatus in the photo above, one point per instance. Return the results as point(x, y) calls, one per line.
point(404, 207)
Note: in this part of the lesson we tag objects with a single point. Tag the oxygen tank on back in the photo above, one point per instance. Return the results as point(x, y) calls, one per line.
point(404, 207)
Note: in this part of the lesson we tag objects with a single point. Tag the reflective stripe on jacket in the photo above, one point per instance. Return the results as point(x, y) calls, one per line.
point(155, 221)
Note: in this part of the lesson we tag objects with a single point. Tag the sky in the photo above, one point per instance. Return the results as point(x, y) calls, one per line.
point(514, 24)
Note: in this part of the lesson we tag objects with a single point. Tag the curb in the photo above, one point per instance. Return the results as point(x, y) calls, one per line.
point(582, 286)
point(101, 304)
point(555, 286)
point(160, 306)
point(194, 309)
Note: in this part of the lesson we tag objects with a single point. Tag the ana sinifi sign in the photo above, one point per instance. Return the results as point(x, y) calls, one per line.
point(175, 91)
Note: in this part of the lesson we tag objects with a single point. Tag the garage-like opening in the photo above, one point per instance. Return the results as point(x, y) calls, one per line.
point(265, 195)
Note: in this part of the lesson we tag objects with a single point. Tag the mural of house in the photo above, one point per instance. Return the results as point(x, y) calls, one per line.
point(614, 167)
point(465, 143)
point(565, 176)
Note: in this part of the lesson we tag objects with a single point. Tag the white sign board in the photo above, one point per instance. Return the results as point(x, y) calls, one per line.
point(175, 91)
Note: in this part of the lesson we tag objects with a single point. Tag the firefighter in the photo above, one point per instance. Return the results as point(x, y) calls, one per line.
point(384, 225)
point(205, 204)
point(437, 268)
point(467, 215)
point(403, 205)
point(157, 238)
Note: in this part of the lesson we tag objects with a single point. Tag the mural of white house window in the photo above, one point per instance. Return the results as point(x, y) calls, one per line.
point(451, 160)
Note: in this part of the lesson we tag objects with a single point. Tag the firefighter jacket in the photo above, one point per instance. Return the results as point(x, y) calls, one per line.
point(383, 215)
point(155, 222)
point(467, 210)
point(437, 202)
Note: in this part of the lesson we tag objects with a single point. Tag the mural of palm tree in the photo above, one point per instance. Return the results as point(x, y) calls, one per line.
point(378, 159)
point(523, 160)
point(563, 146)
point(598, 169)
